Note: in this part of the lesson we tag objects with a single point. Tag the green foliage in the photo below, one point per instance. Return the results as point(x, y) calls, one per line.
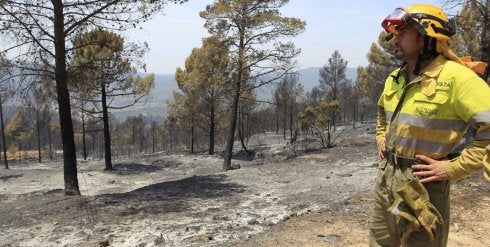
point(332, 75)
point(18, 127)
point(254, 30)
point(318, 120)
point(469, 22)
point(102, 64)
point(203, 84)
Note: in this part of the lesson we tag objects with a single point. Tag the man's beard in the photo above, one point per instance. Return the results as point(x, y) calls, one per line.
point(399, 52)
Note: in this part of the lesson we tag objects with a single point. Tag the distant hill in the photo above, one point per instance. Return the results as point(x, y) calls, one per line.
point(155, 103)
point(309, 77)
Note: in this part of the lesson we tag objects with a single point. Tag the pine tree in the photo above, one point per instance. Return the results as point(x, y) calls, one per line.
point(253, 29)
point(43, 31)
point(102, 70)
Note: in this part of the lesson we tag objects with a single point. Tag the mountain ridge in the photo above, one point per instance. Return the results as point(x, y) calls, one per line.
point(155, 103)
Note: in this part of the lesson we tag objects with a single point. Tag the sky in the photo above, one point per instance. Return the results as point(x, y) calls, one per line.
point(349, 26)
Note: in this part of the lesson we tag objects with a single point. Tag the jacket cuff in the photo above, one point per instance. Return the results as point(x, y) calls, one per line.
point(454, 170)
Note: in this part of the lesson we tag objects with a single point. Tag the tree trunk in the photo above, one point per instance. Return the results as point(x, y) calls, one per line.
point(38, 129)
point(93, 146)
point(19, 153)
point(242, 142)
point(212, 126)
point(329, 136)
point(133, 132)
point(192, 134)
point(240, 132)
point(354, 114)
point(234, 105)
point(231, 131)
point(284, 121)
point(142, 138)
point(4, 145)
point(172, 139)
point(50, 143)
point(485, 39)
point(291, 120)
point(277, 119)
point(63, 97)
point(107, 133)
point(84, 141)
point(153, 137)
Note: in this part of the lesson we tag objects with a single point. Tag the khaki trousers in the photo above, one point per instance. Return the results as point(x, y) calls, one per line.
point(383, 230)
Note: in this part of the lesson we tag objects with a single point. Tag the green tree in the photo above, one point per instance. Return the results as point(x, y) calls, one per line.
point(253, 29)
point(18, 128)
point(332, 79)
point(182, 109)
point(103, 67)
point(205, 81)
point(318, 121)
point(42, 32)
point(474, 21)
point(363, 95)
point(468, 37)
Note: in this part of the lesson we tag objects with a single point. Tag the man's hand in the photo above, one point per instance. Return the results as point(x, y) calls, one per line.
point(433, 171)
point(381, 149)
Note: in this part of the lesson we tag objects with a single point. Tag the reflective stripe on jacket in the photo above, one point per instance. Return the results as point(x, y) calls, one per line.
point(438, 107)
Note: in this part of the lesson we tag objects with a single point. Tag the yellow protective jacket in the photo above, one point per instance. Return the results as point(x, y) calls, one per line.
point(438, 107)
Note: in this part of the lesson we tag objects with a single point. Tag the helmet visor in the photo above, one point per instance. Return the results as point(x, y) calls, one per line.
point(395, 19)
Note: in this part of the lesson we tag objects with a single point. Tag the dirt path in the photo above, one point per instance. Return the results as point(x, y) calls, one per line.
point(348, 224)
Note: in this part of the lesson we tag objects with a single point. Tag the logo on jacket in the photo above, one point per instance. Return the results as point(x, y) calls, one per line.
point(443, 85)
point(426, 110)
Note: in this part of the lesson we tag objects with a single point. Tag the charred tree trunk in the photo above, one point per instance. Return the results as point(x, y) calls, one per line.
point(277, 119)
point(212, 126)
point(291, 120)
point(241, 129)
point(284, 121)
point(142, 138)
point(84, 141)
point(50, 143)
point(192, 134)
point(38, 130)
point(153, 137)
point(107, 133)
point(231, 129)
point(4, 146)
point(63, 97)
point(234, 105)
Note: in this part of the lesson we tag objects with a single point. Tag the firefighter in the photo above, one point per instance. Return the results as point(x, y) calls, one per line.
point(423, 112)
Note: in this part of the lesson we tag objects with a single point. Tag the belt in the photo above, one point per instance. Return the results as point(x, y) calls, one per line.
point(400, 161)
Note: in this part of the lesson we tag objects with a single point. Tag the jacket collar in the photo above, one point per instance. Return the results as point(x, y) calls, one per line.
point(429, 75)
point(435, 67)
